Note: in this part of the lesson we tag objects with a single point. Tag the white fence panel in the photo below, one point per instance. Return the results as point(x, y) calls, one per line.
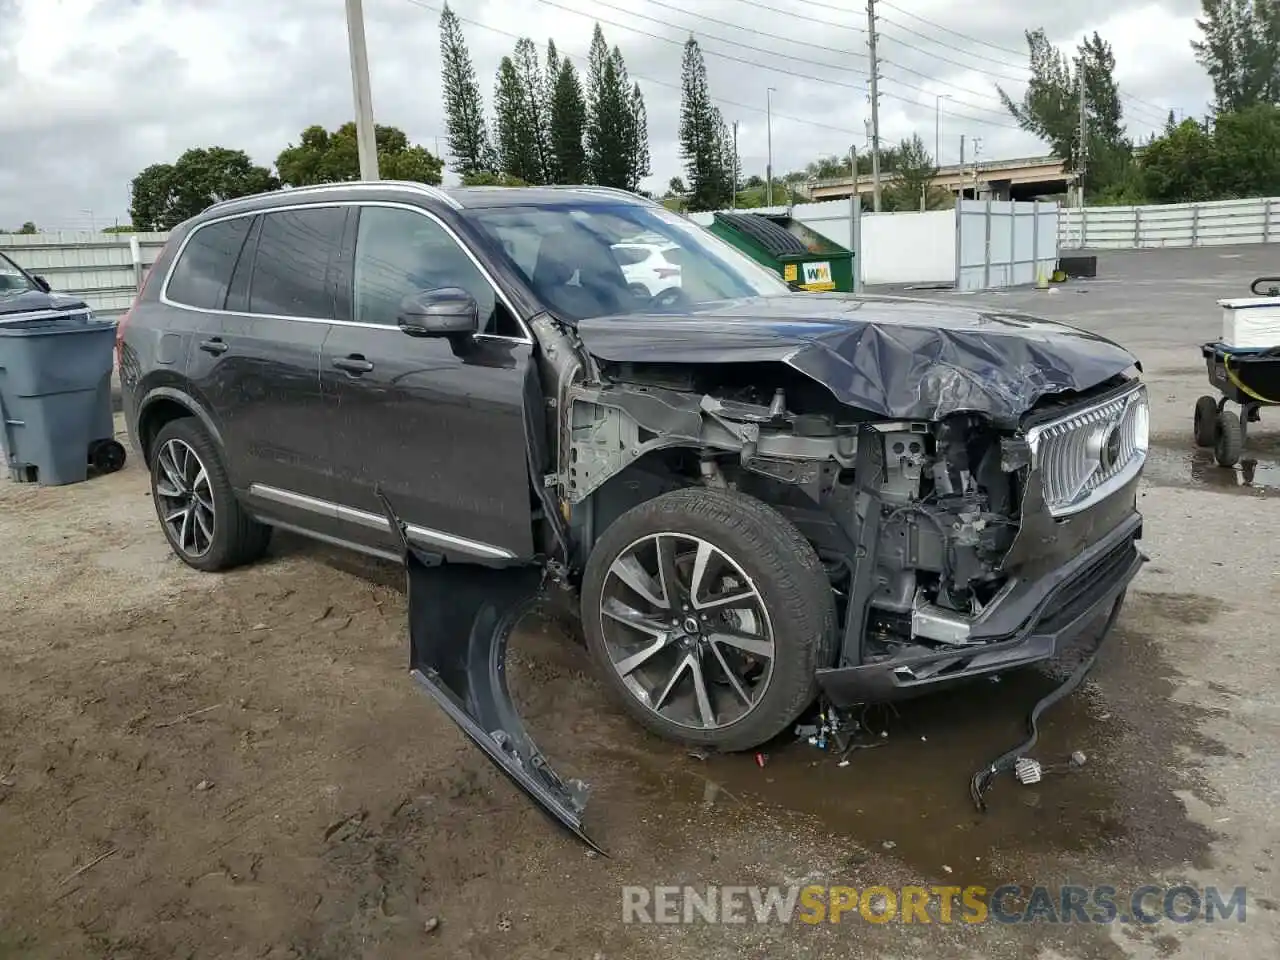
point(909, 247)
point(97, 267)
point(1212, 223)
point(1004, 243)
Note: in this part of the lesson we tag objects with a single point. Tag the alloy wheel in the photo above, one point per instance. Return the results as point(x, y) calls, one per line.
point(185, 498)
point(687, 630)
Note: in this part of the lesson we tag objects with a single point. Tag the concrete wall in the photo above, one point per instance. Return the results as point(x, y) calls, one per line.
point(909, 247)
point(1171, 225)
point(96, 266)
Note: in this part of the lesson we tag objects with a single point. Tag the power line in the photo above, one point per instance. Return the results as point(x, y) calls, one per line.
point(967, 53)
point(846, 52)
point(956, 33)
point(779, 70)
point(800, 16)
point(639, 76)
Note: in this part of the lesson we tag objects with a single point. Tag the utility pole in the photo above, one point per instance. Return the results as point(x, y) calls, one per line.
point(875, 105)
point(733, 199)
point(977, 149)
point(1084, 139)
point(962, 166)
point(366, 144)
point(937, 127)
point(768, 167)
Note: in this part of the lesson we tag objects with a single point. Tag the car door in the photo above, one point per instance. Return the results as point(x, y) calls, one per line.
point(265, 387)
point(434, 425)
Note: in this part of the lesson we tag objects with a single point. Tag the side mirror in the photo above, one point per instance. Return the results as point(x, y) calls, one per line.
point(443, 312)
point(42, 283)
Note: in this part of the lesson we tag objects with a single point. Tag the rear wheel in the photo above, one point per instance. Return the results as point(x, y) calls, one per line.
point(708, 614)
point(1206, 422)
point(203, 521)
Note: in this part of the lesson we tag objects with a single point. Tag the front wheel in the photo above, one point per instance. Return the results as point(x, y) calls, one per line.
point(708, 613)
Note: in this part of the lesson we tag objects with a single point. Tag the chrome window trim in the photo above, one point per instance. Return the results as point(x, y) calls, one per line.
point(423, 535)
point(484, 272)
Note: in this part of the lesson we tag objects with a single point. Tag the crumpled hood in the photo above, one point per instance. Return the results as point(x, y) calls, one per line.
point(893, 357)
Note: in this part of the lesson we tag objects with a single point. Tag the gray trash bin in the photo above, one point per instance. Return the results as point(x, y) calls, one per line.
point(55, 398)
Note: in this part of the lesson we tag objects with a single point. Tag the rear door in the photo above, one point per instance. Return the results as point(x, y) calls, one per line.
point(436, 425)
point(266, 390)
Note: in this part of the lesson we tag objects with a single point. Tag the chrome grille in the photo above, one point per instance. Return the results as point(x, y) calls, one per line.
point(1089, 453)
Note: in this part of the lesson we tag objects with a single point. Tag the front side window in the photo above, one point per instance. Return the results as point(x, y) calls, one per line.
point(203, 271)
point(400, 253)
point(597, 259)
point(12, 280)
point(291, 269)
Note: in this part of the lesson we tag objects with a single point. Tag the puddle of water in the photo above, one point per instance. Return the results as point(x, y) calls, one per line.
point(909, 797)
point(1177, 466)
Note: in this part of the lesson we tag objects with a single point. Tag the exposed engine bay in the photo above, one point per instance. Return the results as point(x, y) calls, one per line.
point(938, 505)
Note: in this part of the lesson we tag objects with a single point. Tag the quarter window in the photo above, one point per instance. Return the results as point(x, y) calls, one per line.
point(400, 253)
point(290, 271)
point(203, 271)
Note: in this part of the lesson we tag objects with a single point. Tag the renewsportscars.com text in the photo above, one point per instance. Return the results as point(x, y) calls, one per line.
point(813, 904)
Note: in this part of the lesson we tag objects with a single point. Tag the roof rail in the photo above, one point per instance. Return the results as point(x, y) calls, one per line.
point(412, 186)
point(603, 191)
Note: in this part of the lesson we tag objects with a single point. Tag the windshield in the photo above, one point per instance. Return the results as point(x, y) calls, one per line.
point(12, 280)
point(593, 260)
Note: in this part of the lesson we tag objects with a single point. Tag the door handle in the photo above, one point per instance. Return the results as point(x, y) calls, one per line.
point(354, 363)
point(214, 346)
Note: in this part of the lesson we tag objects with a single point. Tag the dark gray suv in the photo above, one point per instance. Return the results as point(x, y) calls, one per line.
point(757, 493)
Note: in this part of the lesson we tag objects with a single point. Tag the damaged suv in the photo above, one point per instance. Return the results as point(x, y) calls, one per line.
point(756, 495)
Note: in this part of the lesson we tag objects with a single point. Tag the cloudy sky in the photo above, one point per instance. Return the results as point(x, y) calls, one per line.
point(95, 90)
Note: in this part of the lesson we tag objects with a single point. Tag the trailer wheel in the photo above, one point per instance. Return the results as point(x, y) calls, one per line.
point(1229, 443)
point(1206, 422)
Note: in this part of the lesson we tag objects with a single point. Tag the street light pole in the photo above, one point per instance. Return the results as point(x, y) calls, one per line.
point(366, 143)
point(937, 127)
point(733, 197)
point(768, 168)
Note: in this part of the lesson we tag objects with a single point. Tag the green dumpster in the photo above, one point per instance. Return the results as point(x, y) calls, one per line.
point(798, 254)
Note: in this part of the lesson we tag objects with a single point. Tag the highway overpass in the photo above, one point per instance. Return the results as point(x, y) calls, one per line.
point(1023, 179)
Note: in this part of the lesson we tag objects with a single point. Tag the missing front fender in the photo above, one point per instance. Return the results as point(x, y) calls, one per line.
point(460, 618)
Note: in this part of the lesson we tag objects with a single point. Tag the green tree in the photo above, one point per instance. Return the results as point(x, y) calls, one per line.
point(1240, 50)
point(469, 143)
point(551, 78)
point(701, 135)
point(610, 136)
point(517, 140)
point(1247, 149)
point(165, 194)
point(639, 166)
point(324, 157)
point(912, 186)
point(487, 178)
point(28, 227)
point(1179, 166)
point(536, 118)
point(1050, 108)
point(568, 126)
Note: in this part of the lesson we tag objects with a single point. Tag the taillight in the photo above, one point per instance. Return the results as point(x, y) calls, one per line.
point(123, 322)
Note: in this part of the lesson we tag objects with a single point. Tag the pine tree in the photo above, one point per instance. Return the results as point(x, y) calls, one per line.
point(609, 119)
point(568, 126)
point(639, 141)
point(517, 145)
point(551, 77)
point(535, 119)
point(468, 134)
point(701, 134)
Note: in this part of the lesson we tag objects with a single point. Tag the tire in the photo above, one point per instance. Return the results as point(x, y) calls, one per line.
point(753, 550)
point(233, 537)
point(1229, 443)
point(1206, 422)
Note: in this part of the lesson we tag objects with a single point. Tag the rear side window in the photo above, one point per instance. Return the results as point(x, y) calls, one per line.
point(203, 271)
point(630, 255)
point(290, 271)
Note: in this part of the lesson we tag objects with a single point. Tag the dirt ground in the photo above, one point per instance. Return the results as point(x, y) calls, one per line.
point(238, 766)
